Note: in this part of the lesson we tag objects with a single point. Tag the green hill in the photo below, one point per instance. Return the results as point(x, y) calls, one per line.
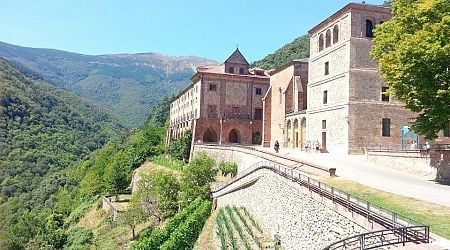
point(44, 129)
point(126, 84)
point(297, 49)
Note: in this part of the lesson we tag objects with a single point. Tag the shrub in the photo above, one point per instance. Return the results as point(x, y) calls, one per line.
point(185, 236)
point(197, 178)
point(228, 168)
point(159, 236)
point(169, 162)
point(79, 238)
point(181, 147)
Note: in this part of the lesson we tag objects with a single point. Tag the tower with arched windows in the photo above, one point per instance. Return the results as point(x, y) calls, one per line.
point(347, 107)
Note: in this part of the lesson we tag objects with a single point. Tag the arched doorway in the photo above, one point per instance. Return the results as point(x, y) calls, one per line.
point(256, 137)
point(295, 134)
point(233, 136)
point(303, 132)
point(210, 135)
point(288, 133)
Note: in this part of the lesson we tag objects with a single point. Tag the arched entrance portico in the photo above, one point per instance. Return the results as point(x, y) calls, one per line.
point(295, 134)
point(288, 133)
point(234, 136)
point(210, 135)
point(303, 132)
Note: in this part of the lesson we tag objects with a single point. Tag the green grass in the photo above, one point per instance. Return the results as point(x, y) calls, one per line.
point(169, 162)
point(438, 217)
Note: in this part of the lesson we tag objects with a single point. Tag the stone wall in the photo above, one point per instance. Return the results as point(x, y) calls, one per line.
point(279, 82)
point(301, 221)
point(247, 157)
point(440, 159)
point(409, 162)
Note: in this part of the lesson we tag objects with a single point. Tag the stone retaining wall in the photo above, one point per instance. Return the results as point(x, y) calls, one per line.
point(283, 208)
point(412, 162)
point(246, 157)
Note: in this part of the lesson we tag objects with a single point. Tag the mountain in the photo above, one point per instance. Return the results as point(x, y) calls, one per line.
point(127, 84)
point(44, 129)
point(297, 49)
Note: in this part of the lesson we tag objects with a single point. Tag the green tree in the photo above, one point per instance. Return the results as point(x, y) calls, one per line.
point(413, 51)
point(158, 194)
point(197, 178)
point(117, 174)
point(181, 148)
point(18, 234)
point(133, 216)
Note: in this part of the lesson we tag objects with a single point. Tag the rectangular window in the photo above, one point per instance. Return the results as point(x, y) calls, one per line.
point(447, 131)
point(324, 124)
point(384, 95)
point(212, 111)
point(327, 68)
point(386, 127)
point(211, 108)
point(231, 70)
point(241, 71)
point(212, 87)
point(258, 91)
point(236, 110)
point(325, 97)
point(258, 114)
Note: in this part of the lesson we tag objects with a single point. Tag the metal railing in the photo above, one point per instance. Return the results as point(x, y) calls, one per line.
point(415, 232)
point(385, 237)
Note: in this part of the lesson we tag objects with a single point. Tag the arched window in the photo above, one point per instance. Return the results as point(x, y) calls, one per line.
point(335, 34)
point(321, 42)
point(369, 28)
point(234, 136)
point(328, 39)
point(210, 135)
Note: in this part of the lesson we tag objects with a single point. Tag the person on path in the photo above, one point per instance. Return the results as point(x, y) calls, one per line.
point(276, 146)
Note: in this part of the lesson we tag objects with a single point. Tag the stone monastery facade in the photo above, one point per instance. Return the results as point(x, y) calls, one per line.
point(334, 100)
point(222, 105)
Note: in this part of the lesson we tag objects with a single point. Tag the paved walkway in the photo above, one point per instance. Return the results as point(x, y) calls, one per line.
point(356, 168)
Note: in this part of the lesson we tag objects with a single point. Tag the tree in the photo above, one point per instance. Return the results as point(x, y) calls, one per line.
point(413, 51)
point(117, 174)
point(158, 194)
point(181, 148)
point(132, 217)
point(197, 178)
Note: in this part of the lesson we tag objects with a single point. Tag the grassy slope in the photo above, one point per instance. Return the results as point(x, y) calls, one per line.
point(438, 217)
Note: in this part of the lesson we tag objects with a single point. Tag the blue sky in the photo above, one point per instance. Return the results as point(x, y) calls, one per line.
point(199, 27)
